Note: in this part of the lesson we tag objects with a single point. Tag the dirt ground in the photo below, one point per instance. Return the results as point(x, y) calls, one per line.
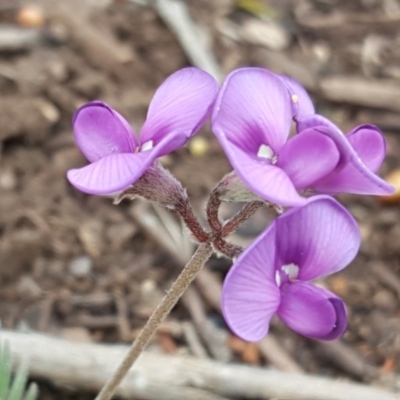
point(81, 268)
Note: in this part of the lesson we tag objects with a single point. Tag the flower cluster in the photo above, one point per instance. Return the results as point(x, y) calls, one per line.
point(251, 115)
point(252, 118)
point(117, 158)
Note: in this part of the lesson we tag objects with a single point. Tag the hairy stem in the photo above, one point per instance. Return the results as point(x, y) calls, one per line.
point(243, 215)
point(227, 249)
point(185, 210)
point(187, 275)
point(213, 205)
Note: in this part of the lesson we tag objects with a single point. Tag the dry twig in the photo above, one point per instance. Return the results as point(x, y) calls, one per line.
point(347, 359)
point(277, 356)
point(193, 340)
point(215, 338)
point(381, 93)
point(17, 39)
point(176, 15)
point(86, 366)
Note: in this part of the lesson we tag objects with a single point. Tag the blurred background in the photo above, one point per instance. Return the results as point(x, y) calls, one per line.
point(81, 269)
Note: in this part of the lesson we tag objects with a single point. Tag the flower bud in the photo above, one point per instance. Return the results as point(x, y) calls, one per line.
point(156, 184)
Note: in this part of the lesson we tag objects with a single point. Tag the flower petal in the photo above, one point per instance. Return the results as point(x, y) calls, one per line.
point(313, 121)
point(264, 179)
point(354, 176)
point(308, 310)
point(250, 295)
point(320, 238)
point(302, 104)
point(351, 174)
point(100, 131)
point(308, 157)
point(253, 108)
point(341, 315)
point(180, 106)
point(369, 144)
point(110, 174)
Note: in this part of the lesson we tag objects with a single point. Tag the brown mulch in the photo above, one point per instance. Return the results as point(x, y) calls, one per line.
point(69, 263)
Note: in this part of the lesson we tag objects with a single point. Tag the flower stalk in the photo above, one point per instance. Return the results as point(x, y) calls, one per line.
point(187, 275)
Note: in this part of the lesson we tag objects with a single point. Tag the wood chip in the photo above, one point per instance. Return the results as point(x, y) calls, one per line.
point(392, 178)
point(381, 93)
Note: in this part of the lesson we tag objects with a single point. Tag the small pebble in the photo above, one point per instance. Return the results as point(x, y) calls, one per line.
point(30, 16)
point(8, 179)
point(91, 235)
point(322, 52)
point(81, 267)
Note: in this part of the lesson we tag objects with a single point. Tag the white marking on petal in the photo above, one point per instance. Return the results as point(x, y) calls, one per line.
point(291, 270)
point(295, 98)
point(278, 278)
point(265, 152)
point(147, 146)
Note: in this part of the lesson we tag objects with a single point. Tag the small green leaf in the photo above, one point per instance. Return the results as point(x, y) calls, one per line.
point(5, 369)
point(18, 384)
point(32, 392)
point(257, 8)
point(14, 389)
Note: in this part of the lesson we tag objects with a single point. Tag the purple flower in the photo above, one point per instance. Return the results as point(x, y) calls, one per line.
point(362, 152)
point(252, 117)
point(271, 275)
point(302, 105)
point(117, 158)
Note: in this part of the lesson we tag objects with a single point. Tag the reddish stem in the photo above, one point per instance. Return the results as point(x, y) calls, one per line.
point(243, 215)
point(229, 250)
point(185, 210)
point(212, 211)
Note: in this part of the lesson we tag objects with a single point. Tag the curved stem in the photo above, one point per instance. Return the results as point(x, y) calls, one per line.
point(227, 249)
point(243, 215)
point(185, 210)
point(187, 275)
point(213, 205)
point(231, 250)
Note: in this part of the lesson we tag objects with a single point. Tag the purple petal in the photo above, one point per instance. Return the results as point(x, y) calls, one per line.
point(354, 176)
point(264, 179)
point(111, 174)
point(100, 131)
point(302, 104)
point(308, 310)
point(179, 107)
point(351, 175)
point(320, 238)
point(313, 121)
point(318, 121)
point(369, 144)
point(250, 295)
point(253, 108)
point(308, 157)
point(341, 318)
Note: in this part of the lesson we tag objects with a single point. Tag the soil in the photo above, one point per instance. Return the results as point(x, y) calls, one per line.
point(67, 260)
